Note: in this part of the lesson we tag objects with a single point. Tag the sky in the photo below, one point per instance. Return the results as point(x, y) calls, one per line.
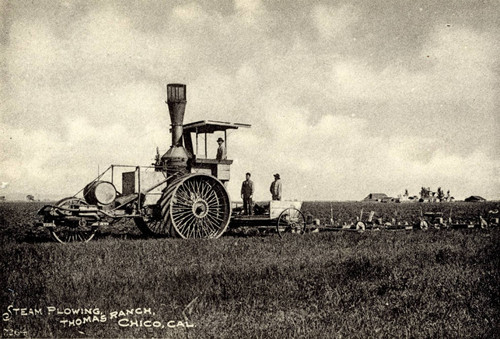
point(345, 98)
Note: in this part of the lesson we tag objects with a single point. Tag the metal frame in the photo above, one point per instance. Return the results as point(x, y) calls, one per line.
point(210, 126)
point(138, 170)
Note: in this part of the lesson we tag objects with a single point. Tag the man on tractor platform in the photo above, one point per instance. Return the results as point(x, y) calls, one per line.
point(247, 195)
point(276, 187)
point(221, 150)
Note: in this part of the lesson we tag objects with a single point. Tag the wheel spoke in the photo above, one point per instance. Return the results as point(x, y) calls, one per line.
point(215, 216)
point(183, 219)
point(198, 211)
point(212, 198)
point(195, 206)
point(197, 188)
point(212, 225)
point(187, 224)
point(290, 219)
point(204, 228)
point(205, 190)
point(72, 231)
point(181, 214)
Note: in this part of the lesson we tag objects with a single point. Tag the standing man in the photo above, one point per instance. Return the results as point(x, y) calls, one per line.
point(247, 194)
point(276, 187)
point(221, 151)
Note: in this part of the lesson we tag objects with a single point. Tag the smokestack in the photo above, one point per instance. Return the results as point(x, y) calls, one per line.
point(176, 158)
point(176, 100)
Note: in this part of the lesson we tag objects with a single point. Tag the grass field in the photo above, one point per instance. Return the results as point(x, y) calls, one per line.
point(439, 283)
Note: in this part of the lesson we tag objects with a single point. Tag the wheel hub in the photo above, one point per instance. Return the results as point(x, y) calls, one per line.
point(200, 208)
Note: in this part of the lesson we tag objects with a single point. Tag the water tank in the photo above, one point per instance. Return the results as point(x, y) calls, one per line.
point(99, 193)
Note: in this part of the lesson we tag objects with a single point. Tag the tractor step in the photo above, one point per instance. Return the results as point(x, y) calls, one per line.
point(46, 224)
point(53, 225)
point(99, 223)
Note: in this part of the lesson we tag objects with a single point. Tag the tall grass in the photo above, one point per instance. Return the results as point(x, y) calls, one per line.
point(375, 284)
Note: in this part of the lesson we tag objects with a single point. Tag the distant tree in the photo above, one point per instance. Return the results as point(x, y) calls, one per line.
point(425, 193)
point(30, 197)
point(440, 194)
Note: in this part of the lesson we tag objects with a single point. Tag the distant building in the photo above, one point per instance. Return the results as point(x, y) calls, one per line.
point(406, 197)
point(376, 197)
point(390, 199)
point(475, 198)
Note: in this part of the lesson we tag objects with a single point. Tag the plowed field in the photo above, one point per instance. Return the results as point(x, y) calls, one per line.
point(438, 283)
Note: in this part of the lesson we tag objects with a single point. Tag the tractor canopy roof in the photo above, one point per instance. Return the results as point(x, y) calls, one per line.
point(211, 126)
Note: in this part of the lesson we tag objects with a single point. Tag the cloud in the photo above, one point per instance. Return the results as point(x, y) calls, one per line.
point(190, 13)
point(248, 6)
point(338, 157)
point(451, 65)
point(250, 12)
point(334, 120)
point(333, 21)
point(451, 95)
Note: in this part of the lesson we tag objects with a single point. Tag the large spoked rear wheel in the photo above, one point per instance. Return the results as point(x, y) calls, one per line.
point(199, 207)
point(291, 221)
point(153, 222)
point(75, 230)
point(151, 225)
point(191, 206)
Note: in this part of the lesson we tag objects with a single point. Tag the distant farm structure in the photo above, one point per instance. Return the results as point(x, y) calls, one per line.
point(407, 198)
point(426, 195)
point(475, 198)
point(376, 197)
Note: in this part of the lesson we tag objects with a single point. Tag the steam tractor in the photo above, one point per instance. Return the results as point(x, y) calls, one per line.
point(182, 194)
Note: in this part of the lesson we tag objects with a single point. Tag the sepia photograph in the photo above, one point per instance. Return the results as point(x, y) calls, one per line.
point(250, 169)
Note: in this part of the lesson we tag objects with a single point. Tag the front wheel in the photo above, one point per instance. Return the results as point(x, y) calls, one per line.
point(74, 230)
point(291, 220)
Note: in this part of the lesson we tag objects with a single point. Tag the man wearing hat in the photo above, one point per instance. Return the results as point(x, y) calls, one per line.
point(221, 151)
point(276, 187)
point(247, 194)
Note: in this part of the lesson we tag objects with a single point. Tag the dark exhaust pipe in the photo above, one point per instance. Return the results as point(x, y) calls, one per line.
point(176, 158)
point(176, 101)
